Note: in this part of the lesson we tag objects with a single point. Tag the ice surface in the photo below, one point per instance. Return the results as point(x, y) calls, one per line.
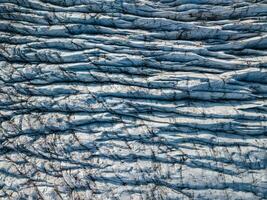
point(133, 99)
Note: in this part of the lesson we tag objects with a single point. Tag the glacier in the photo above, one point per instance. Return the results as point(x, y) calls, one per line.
point(133, 99)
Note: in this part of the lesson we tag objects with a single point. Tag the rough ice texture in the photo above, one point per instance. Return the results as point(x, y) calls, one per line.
point(133, 99)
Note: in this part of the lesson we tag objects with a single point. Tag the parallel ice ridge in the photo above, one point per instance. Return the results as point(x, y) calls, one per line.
point(128, 99)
